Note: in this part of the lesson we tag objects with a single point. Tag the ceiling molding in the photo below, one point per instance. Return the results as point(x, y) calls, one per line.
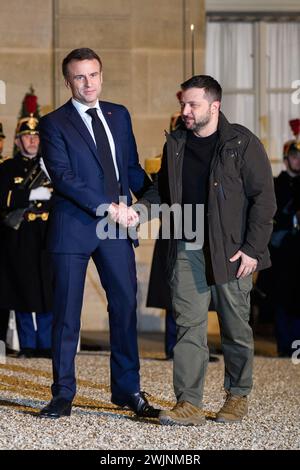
point(289, 6)
point(252, 16)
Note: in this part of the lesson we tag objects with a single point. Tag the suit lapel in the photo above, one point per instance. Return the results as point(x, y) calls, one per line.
point(80, 126)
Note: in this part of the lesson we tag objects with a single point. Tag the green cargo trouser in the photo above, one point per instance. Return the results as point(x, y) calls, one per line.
point(191, 298)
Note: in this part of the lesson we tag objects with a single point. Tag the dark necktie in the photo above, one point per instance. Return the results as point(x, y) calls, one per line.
point(110, 178)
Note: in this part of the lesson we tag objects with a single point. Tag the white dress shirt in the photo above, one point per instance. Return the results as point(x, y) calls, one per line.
point(87, 119)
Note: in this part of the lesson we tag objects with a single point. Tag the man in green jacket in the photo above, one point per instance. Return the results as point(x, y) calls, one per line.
point(224, 168)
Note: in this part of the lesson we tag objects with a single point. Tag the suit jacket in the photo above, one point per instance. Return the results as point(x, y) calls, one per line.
point(74, 166)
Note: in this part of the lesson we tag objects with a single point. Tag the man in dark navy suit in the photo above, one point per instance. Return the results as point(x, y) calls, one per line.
point(90, 153)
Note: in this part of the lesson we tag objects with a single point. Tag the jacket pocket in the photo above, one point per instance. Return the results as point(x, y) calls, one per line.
point(245, 283)
point(230, 160)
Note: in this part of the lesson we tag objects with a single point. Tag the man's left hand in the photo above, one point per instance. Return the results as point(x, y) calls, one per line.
point(248, 265)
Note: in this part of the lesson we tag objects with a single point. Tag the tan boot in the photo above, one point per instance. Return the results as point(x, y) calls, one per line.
point(233, 410)
point(183, 414)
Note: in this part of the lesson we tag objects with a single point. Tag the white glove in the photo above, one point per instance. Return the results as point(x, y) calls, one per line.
point(40, 194)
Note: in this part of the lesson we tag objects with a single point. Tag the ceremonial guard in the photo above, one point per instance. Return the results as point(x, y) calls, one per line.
point(280, 283)
point(2, 139)
point(4, 312)
point(285, 252)
point(25, 275)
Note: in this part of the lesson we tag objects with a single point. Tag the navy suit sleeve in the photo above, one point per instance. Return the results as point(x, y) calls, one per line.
point(58, 164)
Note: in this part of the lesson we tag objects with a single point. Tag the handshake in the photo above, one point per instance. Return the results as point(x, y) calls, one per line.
point(123, 215)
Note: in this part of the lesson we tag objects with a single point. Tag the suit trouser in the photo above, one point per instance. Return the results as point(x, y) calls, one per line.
point(4, 317)
point(115, 263)
point(191, 298)
point(287, 329)
point(28, 336)
point(170, 333)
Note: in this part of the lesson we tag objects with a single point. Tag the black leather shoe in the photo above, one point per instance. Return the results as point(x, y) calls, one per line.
point(44, 353)
point(57, 408)
point(138, 403)
point(213, 358)
point(27, 353)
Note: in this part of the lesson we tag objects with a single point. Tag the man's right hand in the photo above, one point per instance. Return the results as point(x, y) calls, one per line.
point(248, 265)
point(40, 194)
point(124, 215)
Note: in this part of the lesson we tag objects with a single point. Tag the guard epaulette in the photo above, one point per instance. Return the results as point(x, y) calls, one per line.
point(3, 159)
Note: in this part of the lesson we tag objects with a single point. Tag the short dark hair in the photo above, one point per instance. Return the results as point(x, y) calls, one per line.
point(84, 53)
point(211, 86)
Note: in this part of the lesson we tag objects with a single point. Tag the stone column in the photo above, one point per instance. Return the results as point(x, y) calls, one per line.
point(26, 36)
